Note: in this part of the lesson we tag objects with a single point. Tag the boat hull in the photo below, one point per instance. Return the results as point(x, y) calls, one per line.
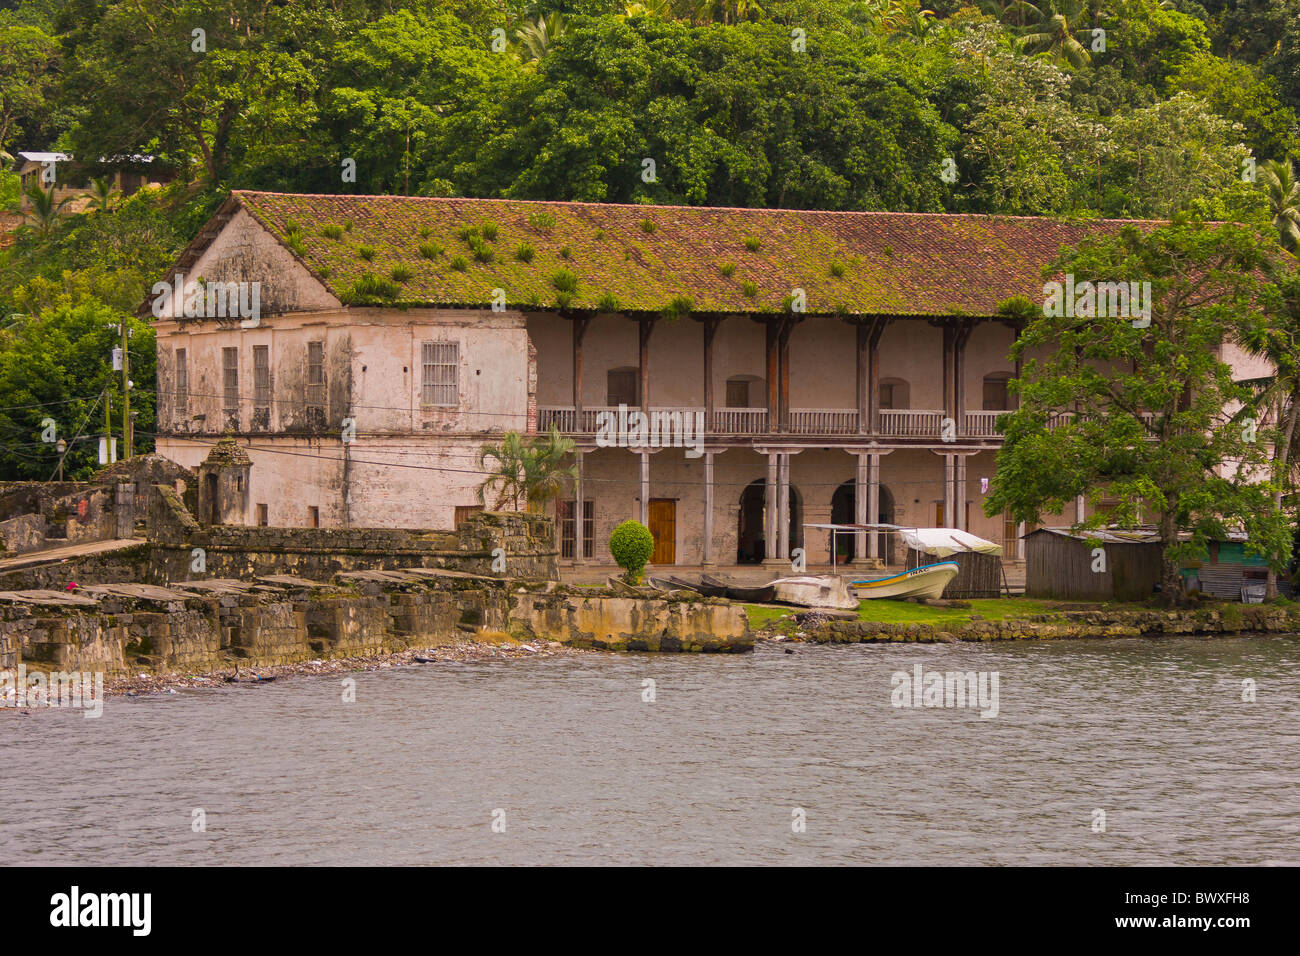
point(924, 582)
point(815, 590)
point(735, 591)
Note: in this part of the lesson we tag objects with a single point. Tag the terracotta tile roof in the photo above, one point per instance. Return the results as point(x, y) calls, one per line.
point(646, 256)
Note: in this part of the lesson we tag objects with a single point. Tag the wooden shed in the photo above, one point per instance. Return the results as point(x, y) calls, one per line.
point(1059, 565)
point(980, 575)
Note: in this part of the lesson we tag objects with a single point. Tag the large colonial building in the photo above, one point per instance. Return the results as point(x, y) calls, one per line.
point(845, 366)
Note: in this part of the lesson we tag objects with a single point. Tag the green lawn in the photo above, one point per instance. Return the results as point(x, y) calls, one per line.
point(904, 612)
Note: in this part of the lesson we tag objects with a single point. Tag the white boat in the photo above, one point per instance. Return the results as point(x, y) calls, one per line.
point(815, 590)
point(927, 581)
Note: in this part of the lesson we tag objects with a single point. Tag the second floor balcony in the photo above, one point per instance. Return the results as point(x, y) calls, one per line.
point(921, 425)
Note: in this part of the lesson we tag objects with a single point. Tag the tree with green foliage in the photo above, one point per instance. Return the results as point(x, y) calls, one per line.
point(1283, 190)
point(631, 544)
point(1274, 336)
point(525, 471)
point(44, 210)
point(1141, 412)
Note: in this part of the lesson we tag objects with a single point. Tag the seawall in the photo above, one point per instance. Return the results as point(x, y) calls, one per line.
point(213, 624)
point(1221, 619)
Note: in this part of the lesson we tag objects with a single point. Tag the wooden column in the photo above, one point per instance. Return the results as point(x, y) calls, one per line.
point(580, 324)
point(869, 332)
point(948, 337)
point(773, 375)
point(783, 341)
point(863, 372)
point(710, 326)
point(645, 327)
point(960, 338)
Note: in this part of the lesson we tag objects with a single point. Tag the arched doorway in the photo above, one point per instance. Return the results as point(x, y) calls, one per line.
point(751, 544)
point(844, 510)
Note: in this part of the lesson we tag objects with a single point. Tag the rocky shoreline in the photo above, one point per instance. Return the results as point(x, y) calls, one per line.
point(471, 652)
point(1227, 619)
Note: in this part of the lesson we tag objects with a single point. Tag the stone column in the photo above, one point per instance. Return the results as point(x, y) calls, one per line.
point(1020, 541)
point(949, 469)
point(579, 555)
point(783, 507)
point(866, 501)
point(959, 492)
point(645, 488)
point(708, 559)
point(769, 511)
point(1079, 505)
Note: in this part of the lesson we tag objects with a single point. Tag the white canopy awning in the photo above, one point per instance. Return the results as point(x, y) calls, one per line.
point(943, 542)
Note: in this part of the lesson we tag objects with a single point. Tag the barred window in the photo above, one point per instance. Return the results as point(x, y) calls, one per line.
point(182, 383)
point(441, 374)
point(316, 383)
point(262, 384)
point(565, 511)
point(230, 377)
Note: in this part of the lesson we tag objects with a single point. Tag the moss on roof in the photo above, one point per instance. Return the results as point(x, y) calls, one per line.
point(846, 262)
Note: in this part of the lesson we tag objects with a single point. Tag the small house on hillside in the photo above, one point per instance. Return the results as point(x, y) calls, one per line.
point(71, 179)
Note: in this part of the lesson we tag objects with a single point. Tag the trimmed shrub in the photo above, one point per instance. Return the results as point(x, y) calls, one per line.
point(632, 544)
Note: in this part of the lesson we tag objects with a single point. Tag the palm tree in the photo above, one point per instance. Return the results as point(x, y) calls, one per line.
point(1014, 13)
point(913, 23)
point(525, 471)
point(727, 11)
point(1053, 34)
point(537, 39)
point(102, 192)
point(1283, 189)
point(45, 212)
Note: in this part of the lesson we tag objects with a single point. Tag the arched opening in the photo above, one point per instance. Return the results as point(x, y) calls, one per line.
point(751, 544)
point(996, 396)
point(895, 393)
point(843, 510)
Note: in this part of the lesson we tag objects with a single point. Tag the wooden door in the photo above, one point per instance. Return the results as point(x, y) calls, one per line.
point(663, 525)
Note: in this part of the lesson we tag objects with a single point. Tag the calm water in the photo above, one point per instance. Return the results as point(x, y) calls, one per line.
point(1153, 732)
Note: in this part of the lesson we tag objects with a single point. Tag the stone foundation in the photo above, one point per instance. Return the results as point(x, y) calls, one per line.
point(213, 625)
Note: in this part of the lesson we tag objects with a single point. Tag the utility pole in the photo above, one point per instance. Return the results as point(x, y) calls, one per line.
point(127, 438)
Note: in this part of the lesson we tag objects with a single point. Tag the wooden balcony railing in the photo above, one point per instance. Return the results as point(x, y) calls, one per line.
point(910, 422)
point(828, 422)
